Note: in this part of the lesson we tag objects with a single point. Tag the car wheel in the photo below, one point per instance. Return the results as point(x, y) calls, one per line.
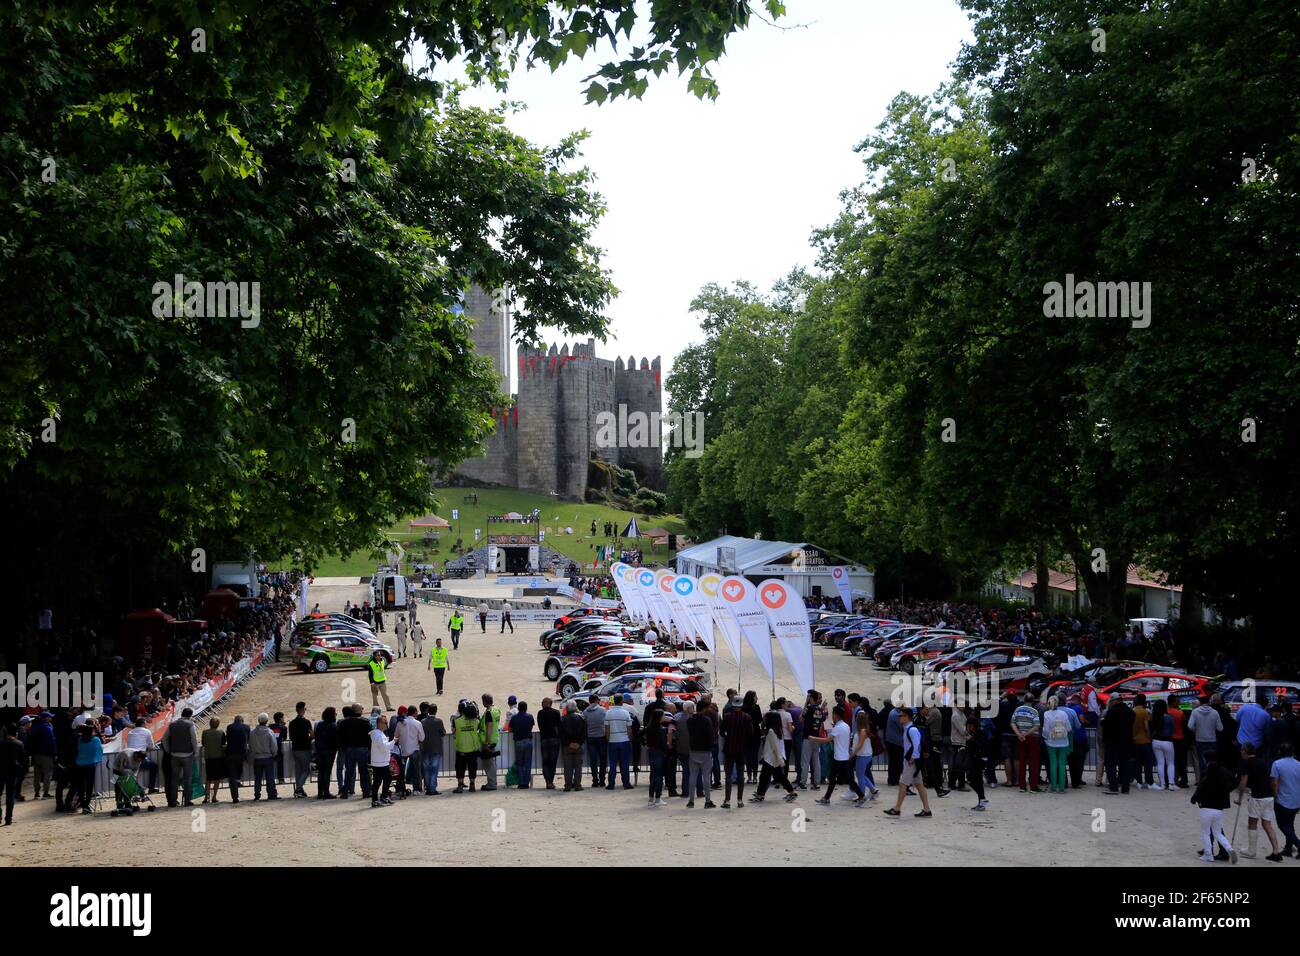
point(388, 660)
point(568, 689)
point(907, 666)
point(320, 663)
point(552, 671)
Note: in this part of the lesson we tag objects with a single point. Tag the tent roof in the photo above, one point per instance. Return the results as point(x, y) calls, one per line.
point(750, 552)
point(430, 521)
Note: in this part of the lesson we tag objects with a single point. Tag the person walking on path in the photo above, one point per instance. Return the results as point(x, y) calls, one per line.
point(417, 639)
point(861, 754)
point(401, 629)
point(573, 739)
point(1214, 795)
point(772, 759)
point(505, 617)
point(911, 774)
point(1256, 782)
point(381, 755)
point(456, 624)
point(438, 663)
point(378, 668)
point(483, 610)
point(840, 772)
point(1058, 735)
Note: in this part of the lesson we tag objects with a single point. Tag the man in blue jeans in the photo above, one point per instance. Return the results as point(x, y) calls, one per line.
point(618, 723)
point(354, 744)
point(434, 732)
point(597, 752)
point(521, 732)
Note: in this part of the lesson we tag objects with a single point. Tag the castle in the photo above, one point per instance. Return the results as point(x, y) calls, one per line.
point(545, 439)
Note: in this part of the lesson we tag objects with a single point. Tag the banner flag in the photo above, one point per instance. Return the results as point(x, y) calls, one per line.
point(721, 612)
point(788, 618)
point(694, 603)
point(840, 575)
point(685, 624)
point(742, 601)
point(625, 582)
point(645, 580)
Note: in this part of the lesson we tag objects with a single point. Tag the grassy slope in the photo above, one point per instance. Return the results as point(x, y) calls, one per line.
point(495, 501)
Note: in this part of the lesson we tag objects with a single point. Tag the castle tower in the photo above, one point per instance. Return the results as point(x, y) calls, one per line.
point(639, 387)
point(491, 330)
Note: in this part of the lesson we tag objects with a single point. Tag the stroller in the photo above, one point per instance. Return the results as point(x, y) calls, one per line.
point(131, 797)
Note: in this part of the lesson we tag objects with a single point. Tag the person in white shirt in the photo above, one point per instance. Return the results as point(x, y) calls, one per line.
point(840, 738)
point(380, 752)
point(505, 617)
point(482, 615)
point(139, 738)
point(408, 736)
point(618, 722)
point(400, 628)
point(417, 638)
point(651, 636)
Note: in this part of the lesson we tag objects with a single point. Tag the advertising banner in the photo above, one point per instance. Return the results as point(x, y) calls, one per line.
point(739, 596)
point(720, 612)
point(788, 619)
point(840, 575)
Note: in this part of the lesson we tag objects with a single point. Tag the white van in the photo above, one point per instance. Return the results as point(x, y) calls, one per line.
point(240, 578)
point(390, 589)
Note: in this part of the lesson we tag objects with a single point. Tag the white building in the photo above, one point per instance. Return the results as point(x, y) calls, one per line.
point(804, 566)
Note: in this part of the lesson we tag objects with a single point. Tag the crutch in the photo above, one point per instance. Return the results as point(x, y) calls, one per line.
point(1233, 838)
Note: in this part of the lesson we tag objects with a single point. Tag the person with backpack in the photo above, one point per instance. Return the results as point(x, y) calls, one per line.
point(913, 759)
point(772, 760)
point(1058, 735)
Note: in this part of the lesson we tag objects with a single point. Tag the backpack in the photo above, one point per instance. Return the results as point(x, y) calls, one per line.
point(1059, 732)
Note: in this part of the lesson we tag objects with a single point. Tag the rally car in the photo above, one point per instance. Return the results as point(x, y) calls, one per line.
point(872, 641)
point(866, 631)
point(638, 690)
point(1008, 668)
point(558, 662)
point(940, 645)
point(338, 649)
point(598, 663)
point(549, 639)
point(307, 631)
point(964, 653)
point(904, 641)
point(1266, 693)
point(1177, 688)
point(675, 666)
point(1070, 679)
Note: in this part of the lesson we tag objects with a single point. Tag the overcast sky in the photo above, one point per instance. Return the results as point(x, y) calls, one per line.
point(701, 191)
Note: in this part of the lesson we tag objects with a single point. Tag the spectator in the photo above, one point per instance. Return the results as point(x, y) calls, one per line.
point(489, 730)
point(11, 762)
point(911, 773)
point(1213, 796)
point(1205, 725)
point(467, 738)
point(237, 741)
point(1162, 746)
point(300, 737)
point(703, 748)
point(772, 758)
point(597, 744)
point(1058, 736)
point(354, 741)
point(618, 723)
point(1142, 751)
point(90, 754)
point(1026, 724)
point(521, 732)
point(548, 737)
point(738, 733)
point(380, 757)
point(42, 750)
point(1285, 774)
point(214, 759)
point(1259, 804)
point(264, 746)
point(325, 735)
point(181, 744)
point(840, 772)
point(1116, 739)
point(431, 750)
point(573, 739)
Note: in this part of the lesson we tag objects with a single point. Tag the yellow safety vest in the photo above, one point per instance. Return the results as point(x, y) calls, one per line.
point(465, 734)
point(438, 657)
point(457, 622)
point(377, 670)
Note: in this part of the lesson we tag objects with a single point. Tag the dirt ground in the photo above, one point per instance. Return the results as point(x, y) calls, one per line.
point(541, 827)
